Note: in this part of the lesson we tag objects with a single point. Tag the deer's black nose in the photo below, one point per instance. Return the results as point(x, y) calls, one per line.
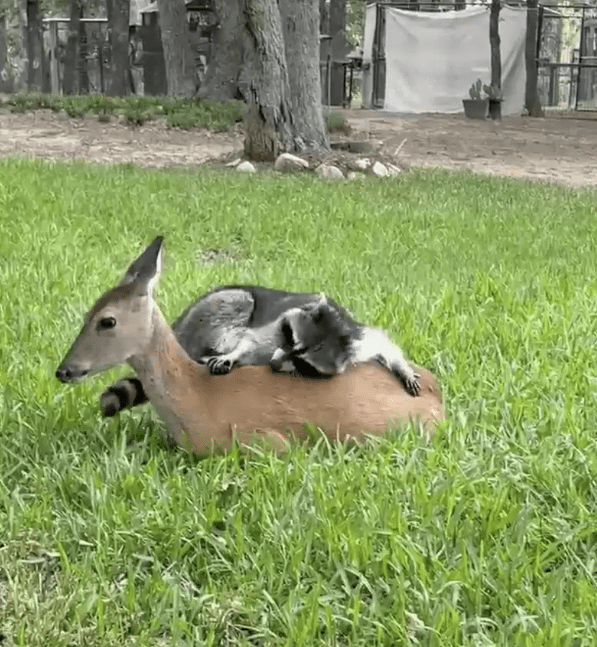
point(69, 374)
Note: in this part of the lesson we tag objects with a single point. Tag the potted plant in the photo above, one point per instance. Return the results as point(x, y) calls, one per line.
point(476, 107)
point(495, 101)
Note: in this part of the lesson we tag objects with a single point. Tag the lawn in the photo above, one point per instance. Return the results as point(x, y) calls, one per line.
point(485, 536)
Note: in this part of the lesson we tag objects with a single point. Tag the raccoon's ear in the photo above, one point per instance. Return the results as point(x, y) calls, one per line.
point(321, 308)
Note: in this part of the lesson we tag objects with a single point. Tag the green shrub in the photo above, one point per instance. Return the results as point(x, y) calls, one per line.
point(75, 107)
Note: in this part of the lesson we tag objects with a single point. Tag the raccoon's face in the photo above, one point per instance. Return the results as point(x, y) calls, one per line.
point(313, 343)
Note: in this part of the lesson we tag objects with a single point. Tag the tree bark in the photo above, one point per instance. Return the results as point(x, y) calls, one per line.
point(4, 72)
point(300, 20)
point(496, 56)
point(337, 16)
point(118, 24)
point(34, 47)
point(221, 80)
point(337, 25)
point(82, 59)
point(178, 55)
point(71, 60)
point(268, 125)
point(324, 18)
point(532, 103)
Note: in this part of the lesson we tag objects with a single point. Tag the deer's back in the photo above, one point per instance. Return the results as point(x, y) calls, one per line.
point(367, 399)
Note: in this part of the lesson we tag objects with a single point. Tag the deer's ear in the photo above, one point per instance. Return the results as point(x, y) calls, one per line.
point(145, 270)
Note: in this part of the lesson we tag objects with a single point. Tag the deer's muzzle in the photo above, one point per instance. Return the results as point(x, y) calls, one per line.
point(66, 373)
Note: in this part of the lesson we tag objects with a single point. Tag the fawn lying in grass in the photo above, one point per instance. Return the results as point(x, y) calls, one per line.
point(210, 413)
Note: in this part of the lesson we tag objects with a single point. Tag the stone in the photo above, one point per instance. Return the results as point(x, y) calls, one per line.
point(329, 171)
point(246, 167)
point(288, 162)
point(355, 175)
point(362, 164)
point(380, 170)
point(234, 163)
point(394, 170)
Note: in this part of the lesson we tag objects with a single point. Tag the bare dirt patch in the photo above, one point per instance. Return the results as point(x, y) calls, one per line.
point(557, 148)
point(45, 134)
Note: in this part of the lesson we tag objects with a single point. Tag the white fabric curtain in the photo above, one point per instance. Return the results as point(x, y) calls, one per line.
point(433, 58)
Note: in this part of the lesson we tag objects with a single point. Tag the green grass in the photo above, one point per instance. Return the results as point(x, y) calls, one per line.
point(135, 110)
point(485, 536)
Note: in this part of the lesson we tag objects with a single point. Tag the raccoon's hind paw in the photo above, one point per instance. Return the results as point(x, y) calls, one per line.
point(219, 365)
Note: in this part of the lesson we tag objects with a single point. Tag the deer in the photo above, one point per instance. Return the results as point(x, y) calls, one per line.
point(209, 414)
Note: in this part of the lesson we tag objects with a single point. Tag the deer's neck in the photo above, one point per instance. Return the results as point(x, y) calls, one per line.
point(168, 376)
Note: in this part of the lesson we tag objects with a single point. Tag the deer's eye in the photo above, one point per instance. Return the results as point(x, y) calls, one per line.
point(106, 323)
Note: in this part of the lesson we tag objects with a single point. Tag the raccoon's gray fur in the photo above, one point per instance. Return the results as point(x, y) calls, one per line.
point(292, 331)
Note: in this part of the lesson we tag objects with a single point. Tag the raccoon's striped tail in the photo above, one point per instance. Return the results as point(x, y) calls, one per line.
point(127, 392)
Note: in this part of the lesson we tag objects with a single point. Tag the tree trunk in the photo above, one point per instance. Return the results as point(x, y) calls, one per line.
point(178, 55)
point(4, 71)
point(337, 25)
point(532, 103)
point(82, 59)
point(300, 22)
point(118, 24)
point(223, 71)
point(71, 60)
point(337, 16)
point(268, 125)
point(324, 18)
point(22, 74)
point(34, 47)
point(496, 55)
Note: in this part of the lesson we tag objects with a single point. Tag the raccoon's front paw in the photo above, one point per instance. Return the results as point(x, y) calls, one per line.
point(412, 384)
point(219, 365)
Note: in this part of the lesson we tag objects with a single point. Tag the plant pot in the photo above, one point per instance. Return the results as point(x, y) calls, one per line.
point(475, 108)
point(495, 108)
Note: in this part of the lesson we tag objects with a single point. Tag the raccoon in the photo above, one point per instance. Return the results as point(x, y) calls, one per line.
point(295, 332)
point(318, 340)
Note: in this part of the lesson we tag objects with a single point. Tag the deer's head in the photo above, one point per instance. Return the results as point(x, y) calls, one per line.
point(119, 325)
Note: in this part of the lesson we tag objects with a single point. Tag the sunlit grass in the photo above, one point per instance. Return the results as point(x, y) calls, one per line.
point(486, 536)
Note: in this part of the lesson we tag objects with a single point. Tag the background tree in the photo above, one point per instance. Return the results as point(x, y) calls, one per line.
point(532, 103)
point(324, 17)
point(274, 71)
point(4, 73)
point(265, 82)
point(496, 54)
point(178, 55)
point(300, 28)
point(223, 72)
point(118, 25)
point(277, 77)
point(73, 50)
point(337, 10)
point(35, 56)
